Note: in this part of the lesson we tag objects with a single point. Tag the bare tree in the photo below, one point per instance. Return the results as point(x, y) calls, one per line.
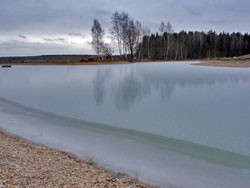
point(169, 31)
point(124, 18)
point(126, 33)
point(116, 30)
point(132, 37)
point(146, 32)
point(97, 37)
point(107, 49)
point(162, 29)
point(139, 35)
point(166, 31)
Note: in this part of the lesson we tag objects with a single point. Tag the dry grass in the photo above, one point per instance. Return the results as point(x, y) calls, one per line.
point(241, 62)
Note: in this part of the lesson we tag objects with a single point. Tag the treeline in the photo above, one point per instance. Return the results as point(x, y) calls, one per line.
point(193, 45)
point(37, 58)
point(130, 39)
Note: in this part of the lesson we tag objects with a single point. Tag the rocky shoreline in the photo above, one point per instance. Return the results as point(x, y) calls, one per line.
point(25, 164)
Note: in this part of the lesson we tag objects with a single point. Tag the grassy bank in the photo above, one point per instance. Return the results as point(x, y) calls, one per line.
point(25, 164)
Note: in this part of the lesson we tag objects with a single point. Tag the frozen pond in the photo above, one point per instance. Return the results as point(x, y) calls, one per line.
point(169, 124)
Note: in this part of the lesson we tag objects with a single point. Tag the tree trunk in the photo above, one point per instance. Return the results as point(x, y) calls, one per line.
point(164, 51)
point(148, 49)
point(131, 54)
point(168, 47)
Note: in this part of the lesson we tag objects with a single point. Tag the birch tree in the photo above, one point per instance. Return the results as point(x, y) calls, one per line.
point(116, 30)
point(169, 31)
point(97, 37)
point(131, 38)
point(107, 49)
point(124, 25)
point(146, 32)
point(166, 31)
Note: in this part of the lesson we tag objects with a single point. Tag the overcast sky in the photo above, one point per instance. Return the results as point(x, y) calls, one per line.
point(34, 27)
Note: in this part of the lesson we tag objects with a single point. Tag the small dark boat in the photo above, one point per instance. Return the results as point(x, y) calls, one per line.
point(6, 66)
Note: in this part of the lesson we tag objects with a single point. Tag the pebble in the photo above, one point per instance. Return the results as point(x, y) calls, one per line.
point(24, 164)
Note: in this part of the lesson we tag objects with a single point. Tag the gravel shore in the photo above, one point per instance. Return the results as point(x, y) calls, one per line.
point(240, 62)
point(25, 164)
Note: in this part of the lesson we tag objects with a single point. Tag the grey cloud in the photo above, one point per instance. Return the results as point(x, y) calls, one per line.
point(23, 48)
point(75, 17)
point(89, 43)
point(48, 40)
point(61, 39)
point(218, 22)
point(76, 34)
point(48, 17)
point(22, 36)
point(55, 40)
point(193, 11)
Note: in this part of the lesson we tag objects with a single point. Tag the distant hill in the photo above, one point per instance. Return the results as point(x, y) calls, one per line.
point(38, 58)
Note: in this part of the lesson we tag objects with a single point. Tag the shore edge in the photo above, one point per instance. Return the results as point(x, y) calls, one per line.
point(27, 164)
